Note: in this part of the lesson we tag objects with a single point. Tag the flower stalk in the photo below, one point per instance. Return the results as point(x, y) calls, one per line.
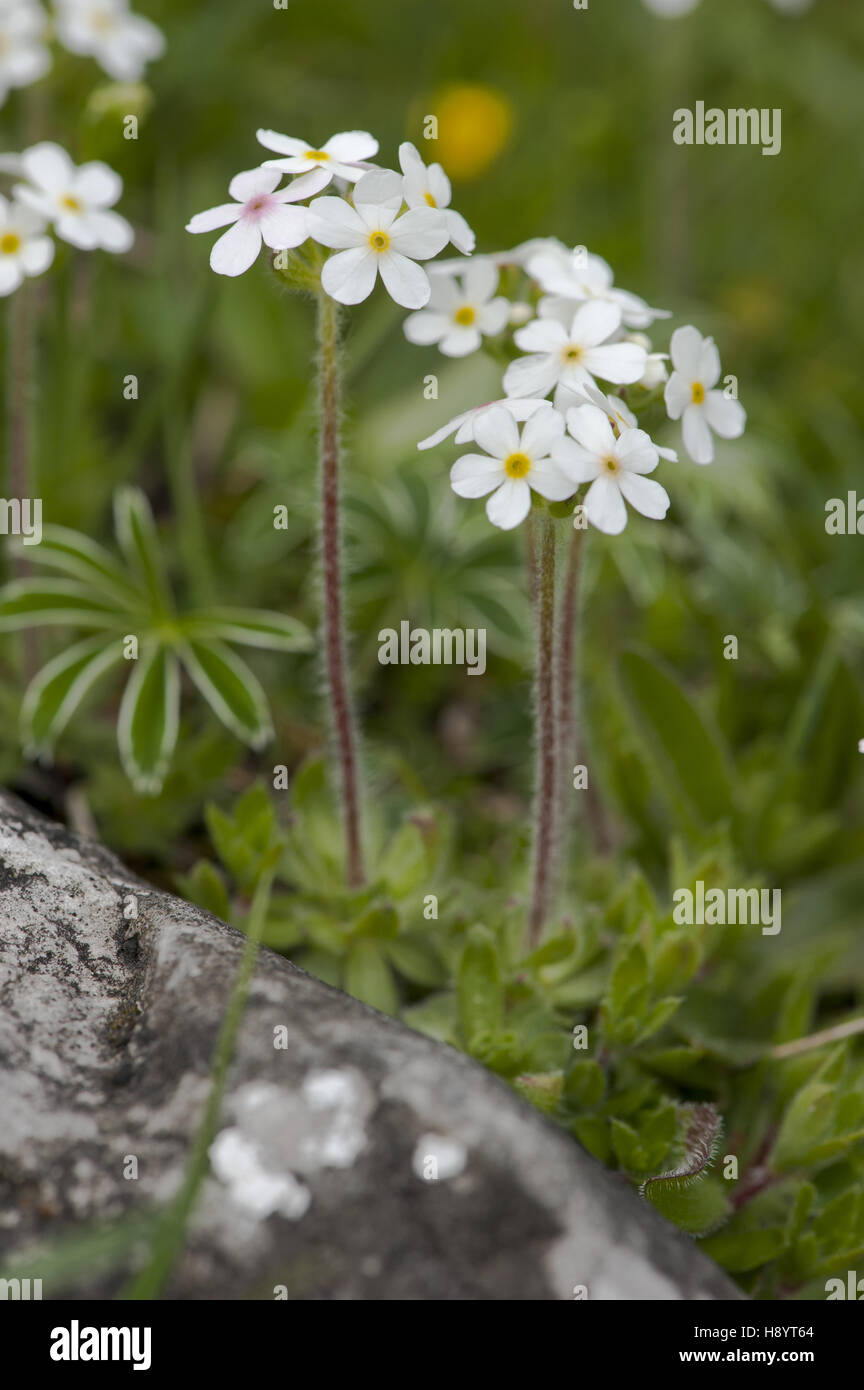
point(542, 558)
point(343, 730)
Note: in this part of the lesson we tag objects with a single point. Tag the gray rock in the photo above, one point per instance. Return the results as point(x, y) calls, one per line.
point(322, 1168)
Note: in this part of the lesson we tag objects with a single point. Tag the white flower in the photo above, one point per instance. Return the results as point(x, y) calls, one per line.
point(23, 55)
point(656, 371)
point(619, 414)
point(671, 7)
point(512, 465)
point(689, 393)
point(372, 237)
point(572, 357)
point(578, 276)
point(122, 43)
point(76, 199)
point(615, 467)
point(24, 249)
point(342, 157)
point(462, 426)
point(459, 317)
point(430, 188)
point(259, 215)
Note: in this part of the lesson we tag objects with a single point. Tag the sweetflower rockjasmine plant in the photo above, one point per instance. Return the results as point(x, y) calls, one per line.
point(692, 398)
point(77, 200)
point(261, 214)
point(364, 230)
point(24, 55)
point(513, 465)
point(462, 310)
point(121, 42)
point(430, 187)
point(25, 250)
point(614, 464)
point(574, 355)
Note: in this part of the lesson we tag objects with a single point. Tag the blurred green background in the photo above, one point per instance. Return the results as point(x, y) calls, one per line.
point(552, 122)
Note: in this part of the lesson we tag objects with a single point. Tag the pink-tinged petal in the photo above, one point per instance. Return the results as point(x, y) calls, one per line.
point(351, 146)
point(637, 452)
point(677, 395)
point(726, 417)
point(461, 342)
point(282, 144)
point(426, 328)
point(698, 440)
point(48, 166)
point(541, 335)
point(459, 233)
point(590, 427)
point(493, 317)
point(379, 188)
point(215, 217)
point(575, 462)
point(550, 481)
point(496, 431)
point(237, 250)
point(306, 186)
point(541, 431)
point(645, 495)
point(617, 362)
point(480, 280)
point(284, 227)
point(709, 364)
point(685, 350)
point(594, 322)
point(37, 255)
point(406, 282)
point(604, 506)
point(97, 184)
point(476, 475)
point(350, 276)
point(509, 506)
point(333, 223)
point(252, 182)
point(111, 231)
point(420, 234)
point(531, 376)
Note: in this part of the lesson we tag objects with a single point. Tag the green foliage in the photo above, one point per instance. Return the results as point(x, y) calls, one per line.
point(128, 601)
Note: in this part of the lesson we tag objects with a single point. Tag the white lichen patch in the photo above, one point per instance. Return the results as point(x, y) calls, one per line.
point(437, 1158)
point(324, 1126)
point(237, 1162)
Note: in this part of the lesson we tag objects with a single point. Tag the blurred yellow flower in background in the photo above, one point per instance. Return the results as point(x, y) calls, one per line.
point(474, 126)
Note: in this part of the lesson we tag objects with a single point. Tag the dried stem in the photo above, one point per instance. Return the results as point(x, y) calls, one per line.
point(335, 647)
point(542, 554)
point(850, 1029)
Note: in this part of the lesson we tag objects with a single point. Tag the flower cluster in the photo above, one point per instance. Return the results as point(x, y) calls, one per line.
point(121, 42)
point(374, 221)
point(572, 335)
point(76, 202)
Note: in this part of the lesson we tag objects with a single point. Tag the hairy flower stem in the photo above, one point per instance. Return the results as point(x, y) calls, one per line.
point(335, 647)
point(20, 481)
point(565, 712)
point(542, 554)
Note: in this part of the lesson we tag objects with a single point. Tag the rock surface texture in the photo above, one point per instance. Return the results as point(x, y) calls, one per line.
point(322, 1170)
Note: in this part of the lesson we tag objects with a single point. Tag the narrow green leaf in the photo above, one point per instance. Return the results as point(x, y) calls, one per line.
point(139, 541)
point(83, 559)
point(231, 690)
point(56, 692)
point(369, 977)
point(40, 602)
point(250, 627)
point(479, 987)
point(149, 719)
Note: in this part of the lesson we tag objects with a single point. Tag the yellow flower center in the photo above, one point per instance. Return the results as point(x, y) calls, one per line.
point(517, 465)
point(431, 201)
point(101, 21)
point(379, 241)
point(698, 393)
point(611, 465)
point(465, 316)
point(70, 203)
point(317, 154)
point(9, 243)
point(572, 354)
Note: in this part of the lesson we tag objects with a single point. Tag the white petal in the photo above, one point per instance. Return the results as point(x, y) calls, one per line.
point(111, 231)
point(541, 431)
point(411, 161)
point(425, 328)
point(380, 188)
point(698, 440)
point(550, 481)
point(37, 255)
point(253, 181)
point(333, 223)
point(350, 276)
point(406, 281)
point(531, 376)
point(234, 252)
point(282, 144)
point(215, 217)
point(480, 279)
point(645, 495)
point(541, 335)
point(590, 427)
point(420, 233)
point(726, 417)
point(677, 395)
point(10, 275)
point(352, 146)
point(510, 505)
point(686, 351)
point(604, 506)
point(306, 186)
point(594, 322)
point(48, 166)
point(445, 431)
point(617, 362)
point(97, 184)
point(461, 342)
point(475, 475)
point(492, 318)
point(284, 227)
point(575, 462)
point(709, 364)
point(496, 431)
point(458, 231)
point(637, 452)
